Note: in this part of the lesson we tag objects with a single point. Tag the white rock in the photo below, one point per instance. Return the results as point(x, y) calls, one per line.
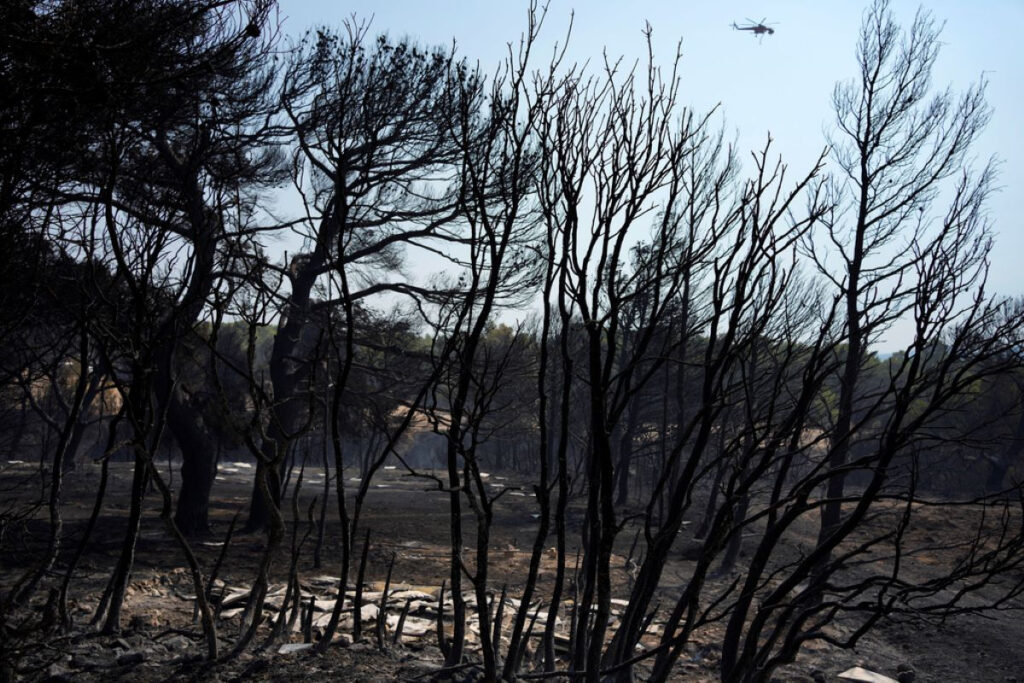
point(290, 648)
point(236, 595)
point(861, 674)
point(414, 594)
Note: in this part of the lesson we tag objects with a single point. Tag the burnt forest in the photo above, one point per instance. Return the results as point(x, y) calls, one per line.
point(329, 354)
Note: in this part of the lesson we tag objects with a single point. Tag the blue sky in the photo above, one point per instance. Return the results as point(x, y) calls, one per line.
point(781, 84)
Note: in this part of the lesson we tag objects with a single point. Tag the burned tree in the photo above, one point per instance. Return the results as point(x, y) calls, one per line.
point(166, 151)
point(705, 353)
point(896, 146)
point(372, 161)
point(375, 163)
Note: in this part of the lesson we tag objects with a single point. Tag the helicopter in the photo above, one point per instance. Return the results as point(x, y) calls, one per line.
point(758, 28)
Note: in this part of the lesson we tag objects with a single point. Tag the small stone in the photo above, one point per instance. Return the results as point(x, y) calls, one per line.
point(58, 674)
point(819, 676)
point(84, 661)
point(290, 648)
point(176, 643)
point(905, 673)
point(859, 673)
point(131, 659)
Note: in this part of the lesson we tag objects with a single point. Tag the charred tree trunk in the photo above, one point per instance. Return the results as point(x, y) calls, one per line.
point(122, 571)
point(198, 466)
point(626, 453)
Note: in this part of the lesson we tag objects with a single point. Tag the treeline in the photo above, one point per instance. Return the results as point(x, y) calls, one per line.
point(701, 349)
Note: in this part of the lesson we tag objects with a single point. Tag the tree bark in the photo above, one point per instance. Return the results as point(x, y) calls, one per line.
point(198, 467)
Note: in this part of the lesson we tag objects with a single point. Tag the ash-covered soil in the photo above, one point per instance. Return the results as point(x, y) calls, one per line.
point(407, 517)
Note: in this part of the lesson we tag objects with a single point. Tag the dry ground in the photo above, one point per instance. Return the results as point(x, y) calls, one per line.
point(409, 523)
